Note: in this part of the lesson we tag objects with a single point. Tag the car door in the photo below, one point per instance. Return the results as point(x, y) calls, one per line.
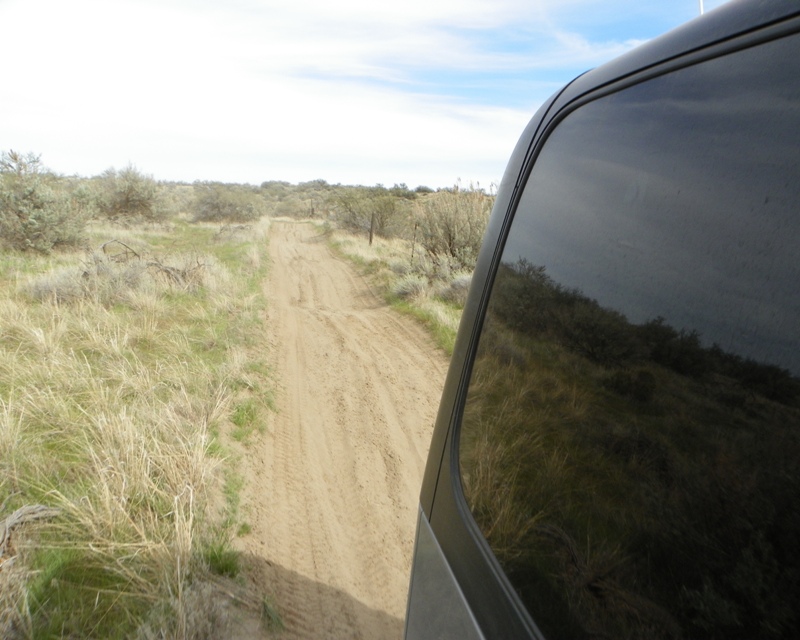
point(617, 446)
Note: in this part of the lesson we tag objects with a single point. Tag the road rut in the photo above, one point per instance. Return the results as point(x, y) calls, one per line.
point(333, 488)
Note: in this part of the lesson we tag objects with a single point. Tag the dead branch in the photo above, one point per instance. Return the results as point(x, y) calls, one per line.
point(121, 255)
point(22, 515)
point(179, 276)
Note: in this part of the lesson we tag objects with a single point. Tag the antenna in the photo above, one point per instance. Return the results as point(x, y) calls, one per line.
point(701, 7)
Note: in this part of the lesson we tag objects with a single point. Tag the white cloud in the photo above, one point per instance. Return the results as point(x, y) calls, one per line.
point(277, 89)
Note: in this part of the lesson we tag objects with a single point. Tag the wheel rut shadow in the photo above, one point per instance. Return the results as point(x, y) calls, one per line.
point(308, 608)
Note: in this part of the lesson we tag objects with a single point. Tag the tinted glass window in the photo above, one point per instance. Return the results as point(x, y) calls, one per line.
point(630, 439)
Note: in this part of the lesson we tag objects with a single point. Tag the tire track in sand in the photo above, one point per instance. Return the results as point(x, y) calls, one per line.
point(333, 490)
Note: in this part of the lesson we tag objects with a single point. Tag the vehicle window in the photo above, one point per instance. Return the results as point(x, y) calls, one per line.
point(630, 438)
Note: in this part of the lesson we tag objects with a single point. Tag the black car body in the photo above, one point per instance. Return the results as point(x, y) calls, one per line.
point(616, 450)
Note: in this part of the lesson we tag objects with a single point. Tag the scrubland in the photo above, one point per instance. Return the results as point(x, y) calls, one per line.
point(135, 376)
point(130, 372)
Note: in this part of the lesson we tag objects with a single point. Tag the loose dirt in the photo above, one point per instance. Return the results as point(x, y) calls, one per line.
point(332, 490)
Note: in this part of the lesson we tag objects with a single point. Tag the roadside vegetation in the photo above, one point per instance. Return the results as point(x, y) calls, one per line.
point(420, 251)
point(132, 375)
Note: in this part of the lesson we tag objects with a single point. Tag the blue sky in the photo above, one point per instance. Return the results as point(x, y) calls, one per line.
point(353, 91)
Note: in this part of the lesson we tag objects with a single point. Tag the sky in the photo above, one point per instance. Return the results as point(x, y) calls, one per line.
point(419, 92)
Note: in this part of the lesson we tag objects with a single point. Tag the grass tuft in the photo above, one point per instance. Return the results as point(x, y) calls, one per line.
point(222, 560)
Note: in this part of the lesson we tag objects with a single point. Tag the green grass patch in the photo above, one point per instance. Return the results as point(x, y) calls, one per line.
point(222, 560)
point(443, 334)
point(245, 418)
point(72, 595)
point(232, 492)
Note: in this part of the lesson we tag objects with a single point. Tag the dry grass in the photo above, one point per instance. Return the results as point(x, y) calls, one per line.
point(118, 375)
point(434, 293)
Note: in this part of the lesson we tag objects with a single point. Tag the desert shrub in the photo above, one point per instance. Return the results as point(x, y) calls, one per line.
point(398, 266)
point(310, 199)
point(38, 212)
point(450, 224)
point(375, 210)
point(387, 212)
point(315, 196)
point(112, 275)
point(216, 202)
point(602, 335)
point(680, 351)
point(275, 189)
point(130, 194)
point(411, 286)
point(291, 207)
point(455, 290)
point(402, 191)
point(176, 197)
point(97, 279)
point(525, 297)
point(771, 381)
point(528, 300)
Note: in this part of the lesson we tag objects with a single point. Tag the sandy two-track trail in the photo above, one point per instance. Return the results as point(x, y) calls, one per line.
point(332, 489)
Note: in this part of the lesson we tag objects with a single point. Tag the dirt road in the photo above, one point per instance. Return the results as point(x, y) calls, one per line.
point(333, 490)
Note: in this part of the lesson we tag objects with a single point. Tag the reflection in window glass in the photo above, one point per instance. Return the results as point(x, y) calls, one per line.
point(632, 427)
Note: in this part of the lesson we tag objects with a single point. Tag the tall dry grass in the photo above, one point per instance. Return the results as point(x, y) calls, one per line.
point(118, 374)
